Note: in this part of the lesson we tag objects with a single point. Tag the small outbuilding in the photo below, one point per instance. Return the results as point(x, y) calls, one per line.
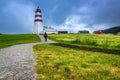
point(62, 32)
point(83, 32)
point(50, 30)
point(98, 32)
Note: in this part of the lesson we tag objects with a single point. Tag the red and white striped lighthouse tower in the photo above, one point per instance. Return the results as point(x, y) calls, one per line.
point(38, 28)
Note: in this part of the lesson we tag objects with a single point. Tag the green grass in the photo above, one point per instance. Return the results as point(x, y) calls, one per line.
point(58, 63)
point(13, 39)
point(102, 40)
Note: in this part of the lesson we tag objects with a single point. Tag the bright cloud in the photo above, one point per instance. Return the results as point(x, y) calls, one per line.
point(73, 24)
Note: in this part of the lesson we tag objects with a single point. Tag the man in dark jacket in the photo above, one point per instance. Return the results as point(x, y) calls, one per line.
point(45, 36)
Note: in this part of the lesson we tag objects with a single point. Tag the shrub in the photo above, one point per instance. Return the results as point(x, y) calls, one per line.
point(104, 72)
point(67, 69)
point(89, 41)
point(105, 44)
point(85, 41)
point(84, 65)
point(117, 46)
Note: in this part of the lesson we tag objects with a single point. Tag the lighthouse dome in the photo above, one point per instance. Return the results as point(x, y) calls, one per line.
point(38, 10)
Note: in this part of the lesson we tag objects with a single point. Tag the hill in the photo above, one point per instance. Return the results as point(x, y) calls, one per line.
point(113, 30)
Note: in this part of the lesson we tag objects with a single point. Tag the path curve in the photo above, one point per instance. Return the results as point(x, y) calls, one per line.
point(17, 62)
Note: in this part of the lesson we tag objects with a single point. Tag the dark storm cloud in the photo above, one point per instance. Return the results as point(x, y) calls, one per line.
point(106, 12)
point(96, 14)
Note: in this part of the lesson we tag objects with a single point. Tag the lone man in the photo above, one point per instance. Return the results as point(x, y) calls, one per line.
point(45, 36)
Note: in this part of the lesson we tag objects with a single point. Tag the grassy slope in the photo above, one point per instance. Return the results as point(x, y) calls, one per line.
point(57, 63)
point(8, 40)
point(103, 41)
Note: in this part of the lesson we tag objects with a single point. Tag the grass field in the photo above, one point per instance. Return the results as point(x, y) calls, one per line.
point(12, 39)
point(92, 40)
point(58, 63)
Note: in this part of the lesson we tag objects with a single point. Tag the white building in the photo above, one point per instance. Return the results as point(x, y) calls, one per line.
point(38, 28)
point(49, 30)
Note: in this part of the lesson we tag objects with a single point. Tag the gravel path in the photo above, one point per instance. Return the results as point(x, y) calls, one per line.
point(17, 62)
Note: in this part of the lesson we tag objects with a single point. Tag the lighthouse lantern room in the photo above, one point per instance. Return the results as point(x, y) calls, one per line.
point(38, 28)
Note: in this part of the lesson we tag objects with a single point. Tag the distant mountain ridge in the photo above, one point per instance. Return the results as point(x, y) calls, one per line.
point(113, 30)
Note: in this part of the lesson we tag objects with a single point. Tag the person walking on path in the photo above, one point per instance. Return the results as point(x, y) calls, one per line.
point(45, 37)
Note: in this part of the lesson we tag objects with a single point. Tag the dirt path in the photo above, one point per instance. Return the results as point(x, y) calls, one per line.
point(17, 62)
point(109, 51)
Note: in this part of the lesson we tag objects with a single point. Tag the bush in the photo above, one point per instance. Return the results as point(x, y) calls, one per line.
point(117, 46)
point(84, 65)
point(106, 44)
point(104, 72)
point(85, 41)
point(89, 41)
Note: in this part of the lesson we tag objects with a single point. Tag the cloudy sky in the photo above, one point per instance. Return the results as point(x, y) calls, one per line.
point(17, 16)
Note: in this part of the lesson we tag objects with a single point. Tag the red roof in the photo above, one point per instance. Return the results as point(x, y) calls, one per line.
point(98, 32)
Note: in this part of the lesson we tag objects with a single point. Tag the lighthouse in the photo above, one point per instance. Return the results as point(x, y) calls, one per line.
point(38, 28)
